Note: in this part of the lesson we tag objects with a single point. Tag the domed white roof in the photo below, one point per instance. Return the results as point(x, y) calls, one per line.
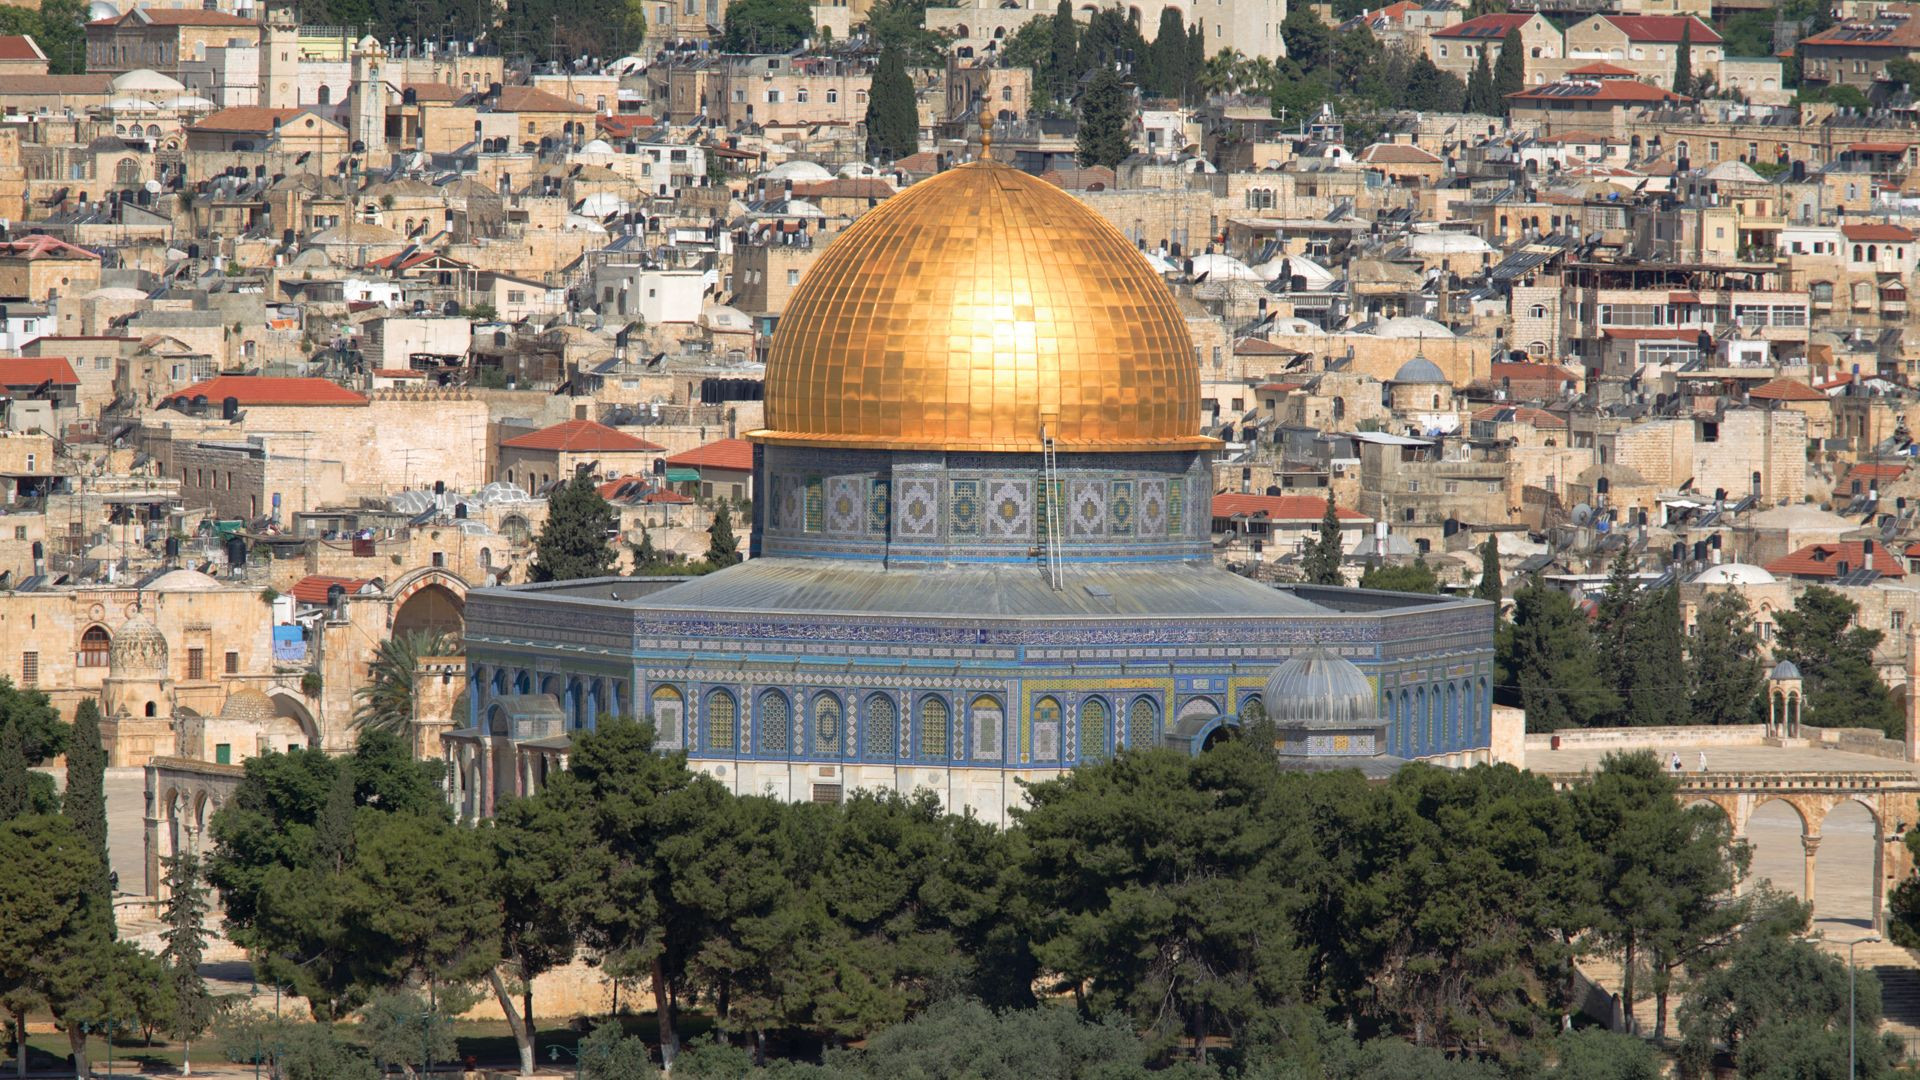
point(132, 105)
point(798, 170)
point(1223, 268)
point(860, 170)
point(1317, 689)
point(597, 146)
point(1406, 326)
point(116, 292)
point(146, 81)
point(191, 101)
point(576, 223)
point(182, 581)
point(1735, 573)
point(1315, 276)
point(602, 203)
point(1447, 243)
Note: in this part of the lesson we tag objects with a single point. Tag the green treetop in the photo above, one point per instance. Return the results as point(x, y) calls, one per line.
point(573, 543)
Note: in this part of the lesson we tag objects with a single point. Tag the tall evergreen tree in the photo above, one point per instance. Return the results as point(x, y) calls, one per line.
point(1063, 73)
point(1510, 73)
point(185, 937)
point(573, 543)
point(1171, 75)
point(1559, 675)
point(1196, 62)
point(1489, 587)
point(645, 555)
point(1724, 671)
point(1320, 563)
point(1835, 657)
point(723, 550)
point(1683, 60)
point(1656, 662)
point(893, 118)
point(1613, 614)
point(1106, 121)
point(1481, 96)
point(16, 787)
point(85, 801)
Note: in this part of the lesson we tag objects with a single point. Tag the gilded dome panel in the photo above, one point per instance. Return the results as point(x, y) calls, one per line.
point(972, 307)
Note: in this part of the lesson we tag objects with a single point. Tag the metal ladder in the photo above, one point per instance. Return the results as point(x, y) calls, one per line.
point(1050, 474)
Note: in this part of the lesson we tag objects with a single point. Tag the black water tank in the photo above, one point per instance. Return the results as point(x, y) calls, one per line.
point(230, 408)
point(236, 551)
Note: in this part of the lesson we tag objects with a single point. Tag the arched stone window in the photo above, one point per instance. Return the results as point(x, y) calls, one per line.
point(1423, 737)
point(723, 721)
point(775, 720)
point(152, 709)
point(827, 727)
point(1141, 717)
point(127, 173)
point(668, 708)
point(1453, 713)
point(934, 718)
point(882, 727)
point(1094, 730)
point(94, 646)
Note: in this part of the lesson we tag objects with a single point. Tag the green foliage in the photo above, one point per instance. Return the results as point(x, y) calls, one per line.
point(185, 938)
point(16, 784)
point(1489, 587)
point(405, 1029)
point(1320, 562)
point(1779, 1006)
point(573, 543)
point(609, 1053)
point(902, 25)
point(1655, 667)
point(481, 312)
point(964, 1040)
point(1510, 72)
point(1483, 94)
point(1683, 61)
point(46, 874)
point(1599, 1054)
point(1061, 74)
point(42, 734)
point(1106, 121)
point(1171, 71)
point(722, 549)
point(1835, 657)
point(1725, 674)
point(1749, 33)
point(311, 683)
point(1414, 577)
point(1549, 658)
point(85, 801)
point(766, 26)
point(385, 702)
point(893, 118)
point(531, 27)
point(1849, 97)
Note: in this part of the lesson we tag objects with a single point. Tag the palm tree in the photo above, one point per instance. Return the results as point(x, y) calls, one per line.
point(1220, 73)
point(386, 701)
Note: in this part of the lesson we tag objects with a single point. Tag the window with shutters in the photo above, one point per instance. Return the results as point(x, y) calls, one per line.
point(29, 669)
point(95, 644)
point(196, 664)
point(233, 662)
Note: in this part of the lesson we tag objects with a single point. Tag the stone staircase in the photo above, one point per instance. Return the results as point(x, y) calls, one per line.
point(1898, 970)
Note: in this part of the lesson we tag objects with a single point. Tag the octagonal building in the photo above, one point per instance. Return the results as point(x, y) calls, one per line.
point(981, 551)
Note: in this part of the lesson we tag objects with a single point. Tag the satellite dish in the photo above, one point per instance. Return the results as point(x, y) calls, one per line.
point(154, 188)
point(1582, 514)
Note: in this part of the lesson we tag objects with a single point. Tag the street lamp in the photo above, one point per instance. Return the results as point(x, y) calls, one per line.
point(1850, 1008)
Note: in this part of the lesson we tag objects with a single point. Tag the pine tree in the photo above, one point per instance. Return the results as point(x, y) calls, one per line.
point(1656, 662)
point(1480, 92)
point(1106, 117)
point(16, 787)
point(645, 555)
point(1489, 587)
point(723, 550)
point(1063, 72)
point(1613, 617)
point(1510, 74)
point(573, 543)
point(1683, 60)
point(1171, 76)
point(1320, 563)
point(185, 914)
point(1553, 664)
point(1196, 62)
point(893, 117)
point(333, 830)
point(1724, 671)
point(85, 801)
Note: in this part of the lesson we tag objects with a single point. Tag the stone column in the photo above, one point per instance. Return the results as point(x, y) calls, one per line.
point(1811, 844)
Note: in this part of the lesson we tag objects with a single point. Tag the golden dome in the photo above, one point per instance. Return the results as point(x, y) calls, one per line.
point(963, 312)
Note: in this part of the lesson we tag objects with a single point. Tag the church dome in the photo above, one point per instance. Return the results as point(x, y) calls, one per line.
point(1419, 370)
point(182, 581)
point(1317, 689)
point(961, 312)
point(138, 651)
point(249, 706)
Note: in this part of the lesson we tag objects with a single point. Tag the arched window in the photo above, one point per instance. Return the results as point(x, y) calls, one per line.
point(669, 709)
point(1046, 729)
point(1453, 715)
point(152, 709)
point(933, 729)
point(1140, 723)
point(882, 727)
point(1433, 720)
point(826, 724)
point(94, 645)
point(1094, 729)
point(722, 721)
point(127, 173)
point(1422, 736)
point(986, 715)
point(326, 94)
point(1393, 724)
point(775, 720)
point(1537, 311)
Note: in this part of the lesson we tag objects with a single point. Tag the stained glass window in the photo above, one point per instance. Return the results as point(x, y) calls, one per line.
point(826, 724)
point(933, 728)
point(987, 716)
point(1140, 720)
point(774, 719)
point(1093, 730)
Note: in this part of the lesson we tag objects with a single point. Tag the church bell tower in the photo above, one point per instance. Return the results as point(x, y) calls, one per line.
point(367, 107)
point(280, 55)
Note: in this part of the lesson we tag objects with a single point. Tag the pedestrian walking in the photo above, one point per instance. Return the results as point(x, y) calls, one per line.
point(1703, 761)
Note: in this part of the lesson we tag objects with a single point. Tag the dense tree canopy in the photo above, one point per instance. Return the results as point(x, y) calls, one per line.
point(766, 26)
point(575, 541)
point(1835, 657)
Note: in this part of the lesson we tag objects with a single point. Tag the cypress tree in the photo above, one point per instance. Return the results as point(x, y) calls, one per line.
point(573, 542)
point(16, 787)
point(1489, 587)
point(85, 802)
point(1480, 93)
point(893, 119)
point(1171, 75)
point(185, 915)
point(723, 550)
point(1683, 61)
point(1320, 564)
point(1196, 61)
point(1723, 665)
point(1656, 662)
point(1510, 74)
point(1105, 117)
point(1062, 56)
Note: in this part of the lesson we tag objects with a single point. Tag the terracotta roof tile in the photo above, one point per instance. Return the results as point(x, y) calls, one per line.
point(1877, 232)
point(581, 436)
point(1823, 561)
point(267, 390)
point(1281, 507)
point(1489, 27)
point(533, 99)
point(34, 370)
point(312, 589)
point(1784, 389)
point(734, 454)
point(1664, 28)
point(248, 118)
point(19, 47)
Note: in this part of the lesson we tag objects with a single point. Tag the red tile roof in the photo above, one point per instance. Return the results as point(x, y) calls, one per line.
point(433, 92)
point(1603, 70)
point(313, 588)
point(1784, 389)
point(582, 436)
point(534, 99)
point(734, 454)
point(1523, 414)
point(1279, 387)
point(41, 246)
point(175, 17)
point(1281, 507)
point(1664, 28)
point(622, 126)
point(1397, 154)
point(612, 488)
point(1823, 561)
point(20, 47)
point(1873, 472)
point(1878, 147)
point(1488, 27)
point(1877, 232)
point(34, 370)
point(267, 390)
point(1525, 373)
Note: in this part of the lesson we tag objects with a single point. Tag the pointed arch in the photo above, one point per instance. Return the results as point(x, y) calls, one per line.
point(1143, 722)
point(829, 727)
point(723, 721)
point(933, 728)
point(1094, 729)
point(774, 722)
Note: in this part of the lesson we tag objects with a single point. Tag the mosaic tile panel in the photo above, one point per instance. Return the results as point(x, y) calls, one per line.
point(1176, 507)
point(963, 509)
point(846, 509)
point(816, 503)
point(1086, 508)
point(878, 507)
point(918, 516)
point(1153, 508)
point(1120, 509)
point(789, 510)
point(1010, 509)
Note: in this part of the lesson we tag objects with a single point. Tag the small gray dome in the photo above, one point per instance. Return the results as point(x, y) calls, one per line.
point(138, 651)
point(1785, 669)
point(1419, 370)
point(1317, 689)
